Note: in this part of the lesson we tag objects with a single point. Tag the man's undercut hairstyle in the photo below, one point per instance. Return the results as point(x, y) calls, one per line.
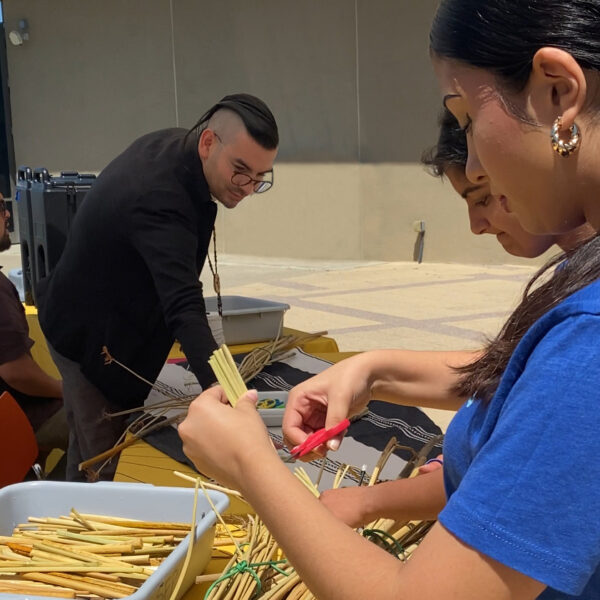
point(451, 148)
point(254, 113)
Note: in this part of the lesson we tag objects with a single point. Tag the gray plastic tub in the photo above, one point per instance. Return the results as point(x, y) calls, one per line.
point(128, 500)
point(248, 320)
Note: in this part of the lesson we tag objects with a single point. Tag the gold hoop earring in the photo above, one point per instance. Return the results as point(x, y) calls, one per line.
point(562, 147)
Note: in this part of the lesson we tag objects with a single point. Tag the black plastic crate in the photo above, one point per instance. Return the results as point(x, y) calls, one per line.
point(54, 203)
point(23, 201)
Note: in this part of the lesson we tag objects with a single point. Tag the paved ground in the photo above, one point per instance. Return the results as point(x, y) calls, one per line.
point(376, 305)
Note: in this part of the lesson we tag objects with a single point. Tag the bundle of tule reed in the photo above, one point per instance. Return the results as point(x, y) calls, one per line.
point(84, 555)
point(258, 569)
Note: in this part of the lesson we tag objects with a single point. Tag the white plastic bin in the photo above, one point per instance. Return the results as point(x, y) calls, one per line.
point(249, 320)
point(128, 500)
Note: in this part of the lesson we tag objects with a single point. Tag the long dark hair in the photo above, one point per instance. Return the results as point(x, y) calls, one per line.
point(255, 114)
point(502, 36)
point(451, 148)
point(576, 269)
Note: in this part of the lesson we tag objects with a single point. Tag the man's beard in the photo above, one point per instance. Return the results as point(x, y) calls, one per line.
point(5, 242)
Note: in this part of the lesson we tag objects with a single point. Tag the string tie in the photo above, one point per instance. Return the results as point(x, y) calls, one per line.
point(246, 567)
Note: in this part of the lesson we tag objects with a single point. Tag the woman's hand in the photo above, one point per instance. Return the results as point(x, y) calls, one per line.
point(324, 400)
point(415, 498)
point(433, 464)
point(404, 377)
point(220, 439)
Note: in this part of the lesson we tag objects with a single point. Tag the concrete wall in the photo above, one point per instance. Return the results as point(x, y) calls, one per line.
point(356, 211)
point(348, 80)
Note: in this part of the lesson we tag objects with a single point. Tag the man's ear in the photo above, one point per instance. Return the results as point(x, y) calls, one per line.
point(205, 143)
point(557, 86)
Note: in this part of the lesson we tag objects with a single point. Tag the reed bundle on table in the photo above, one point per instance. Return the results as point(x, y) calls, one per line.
point(399, 538)
point(153, 417)
point(84, 555)
point(258, 569)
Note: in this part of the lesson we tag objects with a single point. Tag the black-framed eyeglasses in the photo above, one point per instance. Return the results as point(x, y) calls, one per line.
point(241, 179)
point(260, 185)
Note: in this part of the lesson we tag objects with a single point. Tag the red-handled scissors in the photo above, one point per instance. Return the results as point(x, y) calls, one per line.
point(316, 439)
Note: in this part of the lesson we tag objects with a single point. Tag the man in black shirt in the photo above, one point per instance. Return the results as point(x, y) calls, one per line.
point(128, 279)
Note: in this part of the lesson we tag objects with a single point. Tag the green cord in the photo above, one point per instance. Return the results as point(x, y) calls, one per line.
point(390, 543)
point(245, 567)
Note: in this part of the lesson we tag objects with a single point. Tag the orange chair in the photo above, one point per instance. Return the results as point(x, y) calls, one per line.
point(18, 446)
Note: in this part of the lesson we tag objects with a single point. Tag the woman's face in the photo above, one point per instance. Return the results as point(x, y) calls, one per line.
point(488, 215)
point(515, 159)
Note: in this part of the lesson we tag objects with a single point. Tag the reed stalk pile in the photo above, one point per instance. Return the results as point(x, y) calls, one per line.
point(258, 569)
point(84, 555)
point(154, 417)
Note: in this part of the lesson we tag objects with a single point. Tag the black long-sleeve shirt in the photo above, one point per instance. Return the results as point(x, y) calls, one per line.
point(128, 278)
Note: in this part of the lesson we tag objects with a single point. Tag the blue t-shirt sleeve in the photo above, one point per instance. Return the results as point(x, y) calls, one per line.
point(531, 497)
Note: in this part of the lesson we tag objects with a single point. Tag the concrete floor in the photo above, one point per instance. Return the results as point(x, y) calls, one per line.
point(372, 305)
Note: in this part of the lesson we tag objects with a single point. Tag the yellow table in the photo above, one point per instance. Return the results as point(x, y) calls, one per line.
point(39, 351)
point(41, 354)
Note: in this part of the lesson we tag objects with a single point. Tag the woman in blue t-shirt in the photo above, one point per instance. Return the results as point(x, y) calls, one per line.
point(521, 483)
point(428, 376)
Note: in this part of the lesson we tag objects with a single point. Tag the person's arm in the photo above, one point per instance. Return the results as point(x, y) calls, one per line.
point(332, 559)
point(418, 498)
point(403, 377)
point(26, 376)
point(164, 232)
point(416, 378)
